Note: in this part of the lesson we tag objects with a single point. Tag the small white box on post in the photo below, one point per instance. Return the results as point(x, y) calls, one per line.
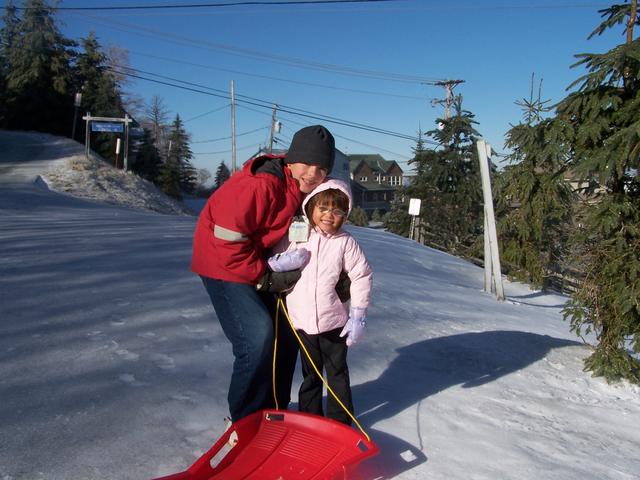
point(414, 211)
point(414, 206)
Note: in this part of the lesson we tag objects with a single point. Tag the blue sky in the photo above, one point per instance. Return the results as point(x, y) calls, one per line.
point(494, 46)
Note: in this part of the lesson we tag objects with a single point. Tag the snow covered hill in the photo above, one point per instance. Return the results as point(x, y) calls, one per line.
point(91, 178)
point(113, 366)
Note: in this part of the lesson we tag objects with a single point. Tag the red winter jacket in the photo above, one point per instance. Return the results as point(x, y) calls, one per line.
point(245, 217)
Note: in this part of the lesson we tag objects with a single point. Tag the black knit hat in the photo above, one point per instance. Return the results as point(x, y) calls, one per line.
point(312, 145)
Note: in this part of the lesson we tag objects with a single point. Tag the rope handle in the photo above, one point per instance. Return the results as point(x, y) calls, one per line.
point(273, 376)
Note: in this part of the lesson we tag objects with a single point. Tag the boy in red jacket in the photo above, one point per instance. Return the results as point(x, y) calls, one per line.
point(241, 221)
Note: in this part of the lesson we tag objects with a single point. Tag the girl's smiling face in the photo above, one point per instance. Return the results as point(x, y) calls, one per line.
point(328, 218)
point(328, 210)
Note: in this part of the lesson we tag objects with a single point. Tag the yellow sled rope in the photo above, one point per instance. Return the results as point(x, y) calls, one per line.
point(279, 305)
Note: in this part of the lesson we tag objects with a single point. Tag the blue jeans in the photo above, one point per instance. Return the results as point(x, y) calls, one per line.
point(246, 317)
point(247, 324)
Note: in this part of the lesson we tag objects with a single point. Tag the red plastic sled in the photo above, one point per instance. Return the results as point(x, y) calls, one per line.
point(283, 445)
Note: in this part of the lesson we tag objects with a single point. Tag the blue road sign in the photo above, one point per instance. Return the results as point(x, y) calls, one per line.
point(114, 127)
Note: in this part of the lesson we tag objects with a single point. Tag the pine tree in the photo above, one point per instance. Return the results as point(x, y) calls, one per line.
point(398, 220)
point(533, 201)
point(169, 178)
point(100, 92)
point(602, 119)
point(8, 36)
point(358, 217)
point(148, 162)
point(448, 183)
point(222, 175)
point(39, 79)
point(178, 174)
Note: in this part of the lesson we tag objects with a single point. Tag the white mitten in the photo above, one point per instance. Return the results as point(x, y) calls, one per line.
point(354, 329)
point(291, 260)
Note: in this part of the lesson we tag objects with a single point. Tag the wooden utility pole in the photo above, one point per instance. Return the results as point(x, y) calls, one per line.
point(233, 131)
point(273, 127)
point(448, 85)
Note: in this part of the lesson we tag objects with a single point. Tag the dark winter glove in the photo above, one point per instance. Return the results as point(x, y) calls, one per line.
point(275, 282)
point(343, 287)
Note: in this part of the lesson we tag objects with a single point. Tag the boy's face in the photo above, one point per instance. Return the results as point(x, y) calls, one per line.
point(308, 176)
point(328, 219)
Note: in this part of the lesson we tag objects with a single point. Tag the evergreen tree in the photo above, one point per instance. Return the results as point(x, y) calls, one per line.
point(358, 217)
point(418, 152)
point(398, 220)
point(178, 174)
point(222, 175)
point(100, 92)
point(448, 183)
point(148, 161)
point(169, 178)
point(602, 119)
point(533, 200)
point(8, 36)
point(39, 79)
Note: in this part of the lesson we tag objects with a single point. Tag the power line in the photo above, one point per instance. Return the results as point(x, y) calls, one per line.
point(375, 147)
point(264, 56)
point(444, 6)
point(246, 147)
point(229, 137)
point(266, 104)
point(212, 5)
point(267, 77)
point(206, 113)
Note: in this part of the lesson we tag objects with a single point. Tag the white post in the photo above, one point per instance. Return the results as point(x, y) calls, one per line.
point(87, 140)
point(414, 211)
point(483, 154)
point(117, 150)
point(488, 284)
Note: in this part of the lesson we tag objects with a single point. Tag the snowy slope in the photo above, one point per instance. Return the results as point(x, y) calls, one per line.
point(113, 366)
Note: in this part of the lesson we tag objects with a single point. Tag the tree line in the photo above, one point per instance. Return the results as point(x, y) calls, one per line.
point(41, 73)
point(548, 228)
point(567, 204)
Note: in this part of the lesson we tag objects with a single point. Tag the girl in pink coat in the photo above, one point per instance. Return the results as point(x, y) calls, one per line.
point(325, 325)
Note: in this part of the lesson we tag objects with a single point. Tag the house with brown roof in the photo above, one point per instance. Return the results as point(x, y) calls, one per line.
point(374, 181)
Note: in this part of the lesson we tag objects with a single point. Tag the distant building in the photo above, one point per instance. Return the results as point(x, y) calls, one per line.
point(341, 167)
point(374, 181)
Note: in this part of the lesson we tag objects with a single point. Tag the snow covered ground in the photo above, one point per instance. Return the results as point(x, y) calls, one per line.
point(113, 366)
